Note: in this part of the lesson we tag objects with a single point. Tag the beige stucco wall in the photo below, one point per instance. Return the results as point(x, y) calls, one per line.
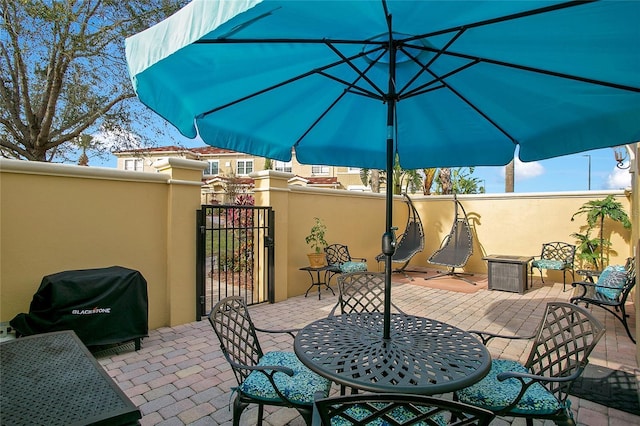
point(60, 217)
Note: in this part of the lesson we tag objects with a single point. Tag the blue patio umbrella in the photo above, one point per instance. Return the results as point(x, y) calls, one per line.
point(357, 83)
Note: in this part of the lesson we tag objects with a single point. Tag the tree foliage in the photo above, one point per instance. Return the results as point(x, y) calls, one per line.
point(458, 181)
point(597, 211)
point(64, 74)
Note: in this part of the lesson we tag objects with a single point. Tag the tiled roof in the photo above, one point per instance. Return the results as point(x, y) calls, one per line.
point(204, 150)
point(322, 180)
point(201, 150)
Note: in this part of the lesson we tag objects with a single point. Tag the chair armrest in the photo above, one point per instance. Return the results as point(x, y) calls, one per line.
point(486, 336)
point(527, 380)
point(268, 370)
point(291, 332)
point(535, 378)
point(584, 288)
point(333, 310)
point(358, 259)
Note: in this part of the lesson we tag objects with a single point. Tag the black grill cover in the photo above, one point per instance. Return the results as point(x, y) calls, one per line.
point(103, 306)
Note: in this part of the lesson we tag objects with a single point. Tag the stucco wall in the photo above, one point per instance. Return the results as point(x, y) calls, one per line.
point(60, 217)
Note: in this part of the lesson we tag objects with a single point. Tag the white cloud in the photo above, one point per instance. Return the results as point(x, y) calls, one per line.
point(526, 170)
point(114, 139)
point(618, 179)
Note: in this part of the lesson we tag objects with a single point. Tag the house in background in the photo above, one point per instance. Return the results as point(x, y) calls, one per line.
point(228, 171)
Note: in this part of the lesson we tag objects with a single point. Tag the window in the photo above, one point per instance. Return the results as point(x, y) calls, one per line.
point(353, 170)
point(319, 170)
point(244, 167)
point(133, 164)
point(212, 168)
point(281, 166)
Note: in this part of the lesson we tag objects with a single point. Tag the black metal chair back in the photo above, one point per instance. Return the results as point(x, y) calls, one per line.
point(337, 254)
point(396, 409)
point(237, 334)
point(361, 292)
point(565, 337)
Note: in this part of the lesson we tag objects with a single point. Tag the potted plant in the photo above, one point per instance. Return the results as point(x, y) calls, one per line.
point(316, 241)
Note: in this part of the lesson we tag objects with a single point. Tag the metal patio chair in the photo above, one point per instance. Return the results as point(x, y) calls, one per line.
point(456, 248)
point(339, 260)
point(396, 409)
point(610, 292)
point(410, 243)
point(538, 389)
point(557, 256)
point(272, 378)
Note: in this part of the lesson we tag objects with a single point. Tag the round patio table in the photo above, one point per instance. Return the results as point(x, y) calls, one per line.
point(422, 356)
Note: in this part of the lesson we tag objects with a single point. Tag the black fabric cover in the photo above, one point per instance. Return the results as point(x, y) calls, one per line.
point(103, 306)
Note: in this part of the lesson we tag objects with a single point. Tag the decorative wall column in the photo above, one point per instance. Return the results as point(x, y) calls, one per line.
point(183, 200)
point(271, 189)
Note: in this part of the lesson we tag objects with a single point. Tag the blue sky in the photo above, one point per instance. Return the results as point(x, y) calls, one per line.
point(567, 173)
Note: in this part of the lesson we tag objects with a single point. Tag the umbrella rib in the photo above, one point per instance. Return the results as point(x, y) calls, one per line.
point(424, 88)
point(348, 88)
point(540, 71)
point(319, 70)
point(505, 18)
point(431, 61)
point(475, 108)
point(353, 67)
point(320, 117)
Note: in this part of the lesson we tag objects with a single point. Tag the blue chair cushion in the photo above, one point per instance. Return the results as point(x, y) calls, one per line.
point(549, 264)
point(299, 388)
point(494, 395)
point(399, 414)
point(611, 281)
point(353, 266)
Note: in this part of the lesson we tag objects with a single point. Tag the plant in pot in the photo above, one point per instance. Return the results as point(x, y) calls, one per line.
point(316, 241)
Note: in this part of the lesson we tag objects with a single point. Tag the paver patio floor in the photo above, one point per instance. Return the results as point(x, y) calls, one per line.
point(180, 377)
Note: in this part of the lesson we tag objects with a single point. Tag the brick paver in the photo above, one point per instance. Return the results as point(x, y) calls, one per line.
point(180, 377)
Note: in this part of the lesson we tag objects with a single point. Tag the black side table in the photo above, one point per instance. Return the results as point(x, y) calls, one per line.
point(589, 274)
point(321, 279)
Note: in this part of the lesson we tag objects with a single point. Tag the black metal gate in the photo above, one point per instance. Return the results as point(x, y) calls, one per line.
point(235, 255)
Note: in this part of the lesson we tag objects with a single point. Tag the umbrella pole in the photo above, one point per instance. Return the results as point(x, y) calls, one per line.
point(388, 240)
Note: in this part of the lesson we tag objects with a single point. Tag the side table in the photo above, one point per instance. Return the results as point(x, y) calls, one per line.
point(588, 274)
point(508, 273)
point(322, 276)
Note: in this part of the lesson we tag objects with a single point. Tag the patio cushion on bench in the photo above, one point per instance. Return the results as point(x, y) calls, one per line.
point(353, 266)
point(556, 265)
point(494, 395)
point(299, 388)
point(611, 281)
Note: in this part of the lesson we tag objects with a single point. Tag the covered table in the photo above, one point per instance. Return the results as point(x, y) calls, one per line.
point(52, 379)
point(422, 356)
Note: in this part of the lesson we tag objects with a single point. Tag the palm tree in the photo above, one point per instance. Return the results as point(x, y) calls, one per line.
point(429, 176)
point(445, 180)
point(509, 177)
point(597, 211)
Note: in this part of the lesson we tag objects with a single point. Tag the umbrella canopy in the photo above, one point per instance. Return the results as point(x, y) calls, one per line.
point(355, 83)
